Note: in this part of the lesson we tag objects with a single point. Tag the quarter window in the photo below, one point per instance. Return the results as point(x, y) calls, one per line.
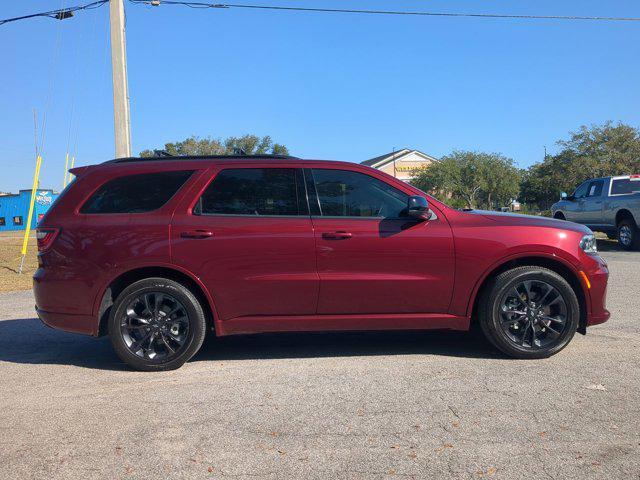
point(254, 191)
point(136, 193)
point(343, 193)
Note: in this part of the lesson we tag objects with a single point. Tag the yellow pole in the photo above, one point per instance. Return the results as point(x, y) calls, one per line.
point(27, 230)
point(73, 161)
point(66, 170)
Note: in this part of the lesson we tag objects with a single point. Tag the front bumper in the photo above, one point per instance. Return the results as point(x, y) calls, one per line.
point(598, 275)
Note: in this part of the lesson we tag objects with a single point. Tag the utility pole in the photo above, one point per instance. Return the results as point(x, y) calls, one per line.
point(121, 116)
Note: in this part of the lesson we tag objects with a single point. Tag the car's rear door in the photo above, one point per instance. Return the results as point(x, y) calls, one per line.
point(371, 258)
point(246, 233)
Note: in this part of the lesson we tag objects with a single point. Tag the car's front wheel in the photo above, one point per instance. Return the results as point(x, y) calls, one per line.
point(156, 324)
point(529, 312)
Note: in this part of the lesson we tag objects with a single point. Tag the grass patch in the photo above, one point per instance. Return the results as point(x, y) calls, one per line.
point(10, 247)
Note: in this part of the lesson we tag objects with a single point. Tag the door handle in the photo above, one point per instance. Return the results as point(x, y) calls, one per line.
point(196, 234)
point(337, 235)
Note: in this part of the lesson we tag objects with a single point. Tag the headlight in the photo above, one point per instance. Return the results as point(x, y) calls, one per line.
point(588, 244)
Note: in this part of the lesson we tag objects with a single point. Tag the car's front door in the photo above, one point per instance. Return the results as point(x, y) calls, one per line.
point(372, 258)
point(248, 236)
point(574, 211)
point(593, 203)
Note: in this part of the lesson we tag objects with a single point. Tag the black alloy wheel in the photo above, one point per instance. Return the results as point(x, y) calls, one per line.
point(529, 312)
point(533, 314)
point(156, 324)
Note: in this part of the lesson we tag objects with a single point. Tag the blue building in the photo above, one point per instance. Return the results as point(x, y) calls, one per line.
point(14, 208)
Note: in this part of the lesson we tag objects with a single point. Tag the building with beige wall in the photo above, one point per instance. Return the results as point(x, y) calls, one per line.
point(400, 164)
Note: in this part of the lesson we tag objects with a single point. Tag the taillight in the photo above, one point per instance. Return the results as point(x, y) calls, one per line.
point(45, 237)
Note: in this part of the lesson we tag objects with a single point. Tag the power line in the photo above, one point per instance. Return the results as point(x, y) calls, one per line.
point(64, 13)
point(59, 14)
point(383, 12)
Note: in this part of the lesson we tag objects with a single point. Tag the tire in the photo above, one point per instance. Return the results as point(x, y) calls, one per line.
point(502, 324)
point(165, 312)
point(559, 216)
point(628, 235)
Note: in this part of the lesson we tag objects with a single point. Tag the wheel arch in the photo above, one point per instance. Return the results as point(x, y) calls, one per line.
point(552, 263)
point(559, 214)
point(624, 214)
point(122, 281)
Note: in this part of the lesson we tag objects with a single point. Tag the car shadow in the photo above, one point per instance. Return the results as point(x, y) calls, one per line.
point(606, 245)
point(346, 344)
point(28, 341)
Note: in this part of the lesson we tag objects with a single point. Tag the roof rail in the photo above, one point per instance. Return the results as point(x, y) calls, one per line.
point(200, 157)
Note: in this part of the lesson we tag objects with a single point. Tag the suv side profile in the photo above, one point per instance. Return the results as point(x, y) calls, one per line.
point(157, 252)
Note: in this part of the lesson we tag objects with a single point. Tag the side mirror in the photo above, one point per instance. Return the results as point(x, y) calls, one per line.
point(418, 208)
point(563, 195)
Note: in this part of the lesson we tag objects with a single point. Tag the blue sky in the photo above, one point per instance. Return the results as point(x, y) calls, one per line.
point(331, 86)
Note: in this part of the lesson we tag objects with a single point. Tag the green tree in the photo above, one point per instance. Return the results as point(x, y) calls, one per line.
point(249, 144)
point(470, 179)
point(596, 151)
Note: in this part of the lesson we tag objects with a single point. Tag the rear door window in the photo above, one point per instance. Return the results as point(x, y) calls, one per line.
point(136, 193)
point(254, 192)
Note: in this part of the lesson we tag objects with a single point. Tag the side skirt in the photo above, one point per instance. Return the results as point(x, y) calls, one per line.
point(319, 323)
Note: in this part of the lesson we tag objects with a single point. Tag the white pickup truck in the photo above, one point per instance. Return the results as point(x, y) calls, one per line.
point(610, 205)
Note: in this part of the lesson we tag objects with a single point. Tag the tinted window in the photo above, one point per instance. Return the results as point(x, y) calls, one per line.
point(2, 222)
point(17, 220)
point(625, 186)
point(342, 193)
point(595, 189)
point(581, 191)
point(136, 193)
point(253, 191)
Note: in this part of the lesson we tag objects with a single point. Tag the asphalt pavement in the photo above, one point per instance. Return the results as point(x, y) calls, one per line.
point(336, 406)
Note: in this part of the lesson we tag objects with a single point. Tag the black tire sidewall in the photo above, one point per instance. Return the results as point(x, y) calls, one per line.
point(490, 315)
point(197, 323)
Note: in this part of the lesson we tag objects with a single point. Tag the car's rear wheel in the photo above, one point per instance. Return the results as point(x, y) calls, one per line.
point(156, 324)
point(628, 235)
point(559, 216)
point(529, 312)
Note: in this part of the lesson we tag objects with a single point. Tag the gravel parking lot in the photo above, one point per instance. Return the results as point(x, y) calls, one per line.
point(339, 406)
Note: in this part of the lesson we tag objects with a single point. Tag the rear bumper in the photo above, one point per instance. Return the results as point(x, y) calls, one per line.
point(69, 323)
point(62, 303)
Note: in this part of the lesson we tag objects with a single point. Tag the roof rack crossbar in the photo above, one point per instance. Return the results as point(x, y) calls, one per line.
point(200, 157)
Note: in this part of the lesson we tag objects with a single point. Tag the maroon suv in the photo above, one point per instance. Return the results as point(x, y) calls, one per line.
point(156, 252)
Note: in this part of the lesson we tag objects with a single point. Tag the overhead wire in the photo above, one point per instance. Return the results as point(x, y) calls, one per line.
point(206, 5)
point(52, 73)
point(58, 14)
point(62, 13)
